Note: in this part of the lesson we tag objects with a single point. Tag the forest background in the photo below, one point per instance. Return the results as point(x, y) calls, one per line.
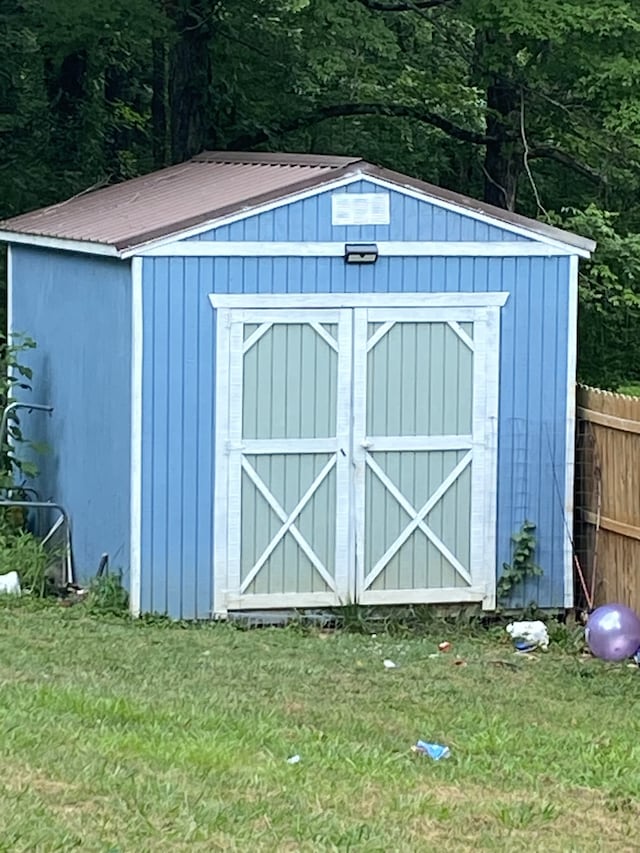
point(532, 105)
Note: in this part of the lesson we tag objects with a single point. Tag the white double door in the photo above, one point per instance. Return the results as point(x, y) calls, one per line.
point(355, 456)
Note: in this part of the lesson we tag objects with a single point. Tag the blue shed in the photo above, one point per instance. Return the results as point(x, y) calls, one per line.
point(287, 380)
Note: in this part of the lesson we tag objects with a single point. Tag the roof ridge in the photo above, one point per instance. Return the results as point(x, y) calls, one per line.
point(280, 158)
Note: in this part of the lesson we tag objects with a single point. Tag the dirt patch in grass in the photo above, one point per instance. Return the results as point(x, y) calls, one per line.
point(548, 820)
point(62, 797)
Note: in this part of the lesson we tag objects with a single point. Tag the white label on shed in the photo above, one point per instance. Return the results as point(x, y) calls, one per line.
point(360, 209)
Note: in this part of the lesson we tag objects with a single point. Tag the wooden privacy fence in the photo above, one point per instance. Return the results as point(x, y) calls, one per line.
point(607, 496)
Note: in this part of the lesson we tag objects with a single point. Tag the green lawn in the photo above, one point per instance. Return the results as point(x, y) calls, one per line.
point(632, 390)
point(132, 737)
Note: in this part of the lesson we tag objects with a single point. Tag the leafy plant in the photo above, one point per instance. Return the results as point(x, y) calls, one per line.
point(522, 565)
point(15, 467)
point(107, 595)
point(23, 553)
point(14, 375)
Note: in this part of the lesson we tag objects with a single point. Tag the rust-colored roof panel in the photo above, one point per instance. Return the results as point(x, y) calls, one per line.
point(219, 183)
point(172, 199)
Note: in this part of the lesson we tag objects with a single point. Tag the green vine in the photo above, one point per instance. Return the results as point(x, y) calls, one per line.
point(522, 565)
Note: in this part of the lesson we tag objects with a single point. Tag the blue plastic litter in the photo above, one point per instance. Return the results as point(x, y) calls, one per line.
point(433, 750)
point(524, 645)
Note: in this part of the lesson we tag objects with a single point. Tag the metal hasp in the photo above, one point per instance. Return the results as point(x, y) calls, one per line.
point(37, 504)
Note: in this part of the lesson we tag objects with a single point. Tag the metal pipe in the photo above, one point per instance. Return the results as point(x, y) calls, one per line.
point(7, 502)
point(47, 505)
point(12, 408)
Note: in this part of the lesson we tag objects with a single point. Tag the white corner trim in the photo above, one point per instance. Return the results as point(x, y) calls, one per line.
point(9, 315)
point(492, 402)
point(358, 300)
point(137, 324)
point(570, 440)
point(221, 455)
point(63, 244)
point(9, 294)
point(223, 248)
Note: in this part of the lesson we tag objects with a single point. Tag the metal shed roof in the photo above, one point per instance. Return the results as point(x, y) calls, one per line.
point(219, 183)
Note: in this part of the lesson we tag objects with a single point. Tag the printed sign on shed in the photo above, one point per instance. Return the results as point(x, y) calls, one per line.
point(360, 209)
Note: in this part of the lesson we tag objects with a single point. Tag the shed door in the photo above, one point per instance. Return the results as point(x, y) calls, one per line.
point(355, 456)
point(288, 458)
point(421, 435)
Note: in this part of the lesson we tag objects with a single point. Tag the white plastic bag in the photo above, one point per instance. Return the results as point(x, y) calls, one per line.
point(532, 632)
point(10, 584)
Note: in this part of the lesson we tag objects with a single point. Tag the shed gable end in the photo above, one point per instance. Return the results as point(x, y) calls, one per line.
point(311, 219)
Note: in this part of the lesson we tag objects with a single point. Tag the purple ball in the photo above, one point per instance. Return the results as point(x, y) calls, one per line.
point(613, 632)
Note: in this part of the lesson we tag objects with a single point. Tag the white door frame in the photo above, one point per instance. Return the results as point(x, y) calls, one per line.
point(484, 308)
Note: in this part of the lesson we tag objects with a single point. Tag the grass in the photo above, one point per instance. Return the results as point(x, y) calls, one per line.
point(148, 737)
point(633, 390)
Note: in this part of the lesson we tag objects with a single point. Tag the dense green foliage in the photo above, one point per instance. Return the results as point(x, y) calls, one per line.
point(533, 106)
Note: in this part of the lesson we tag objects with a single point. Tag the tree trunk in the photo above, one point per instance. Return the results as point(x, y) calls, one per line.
point(67, 87)
point(159, 128)
point(190, 78)
point(503, 157)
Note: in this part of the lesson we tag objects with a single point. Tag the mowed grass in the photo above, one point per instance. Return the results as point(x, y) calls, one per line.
point(130, 737)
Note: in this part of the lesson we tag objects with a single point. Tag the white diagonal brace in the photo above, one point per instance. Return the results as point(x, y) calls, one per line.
point(379, 334)
point(254, 337)
point(320, 329)
point(460, 332)
point(446, 553)
point(288, 523)
point(417, 518)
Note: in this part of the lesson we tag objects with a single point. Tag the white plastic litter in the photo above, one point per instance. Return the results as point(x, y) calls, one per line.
point(389, 664)
point(295, 759)
point(532, 632)
point(10, 584)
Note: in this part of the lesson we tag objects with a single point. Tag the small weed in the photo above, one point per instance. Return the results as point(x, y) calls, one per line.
point(107, 596)
point(355, 618)
point(567, 637)
point(525, 814)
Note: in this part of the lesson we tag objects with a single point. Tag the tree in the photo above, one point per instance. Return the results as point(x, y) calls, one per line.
point(533, 106)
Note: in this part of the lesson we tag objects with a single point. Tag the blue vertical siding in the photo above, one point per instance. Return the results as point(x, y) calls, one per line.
point(78, 310)
point(179, 377)
point(310, 219)
point(177, 438)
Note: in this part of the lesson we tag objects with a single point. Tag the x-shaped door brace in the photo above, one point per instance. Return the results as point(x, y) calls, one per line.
point(288, 523)
point(417, 519)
